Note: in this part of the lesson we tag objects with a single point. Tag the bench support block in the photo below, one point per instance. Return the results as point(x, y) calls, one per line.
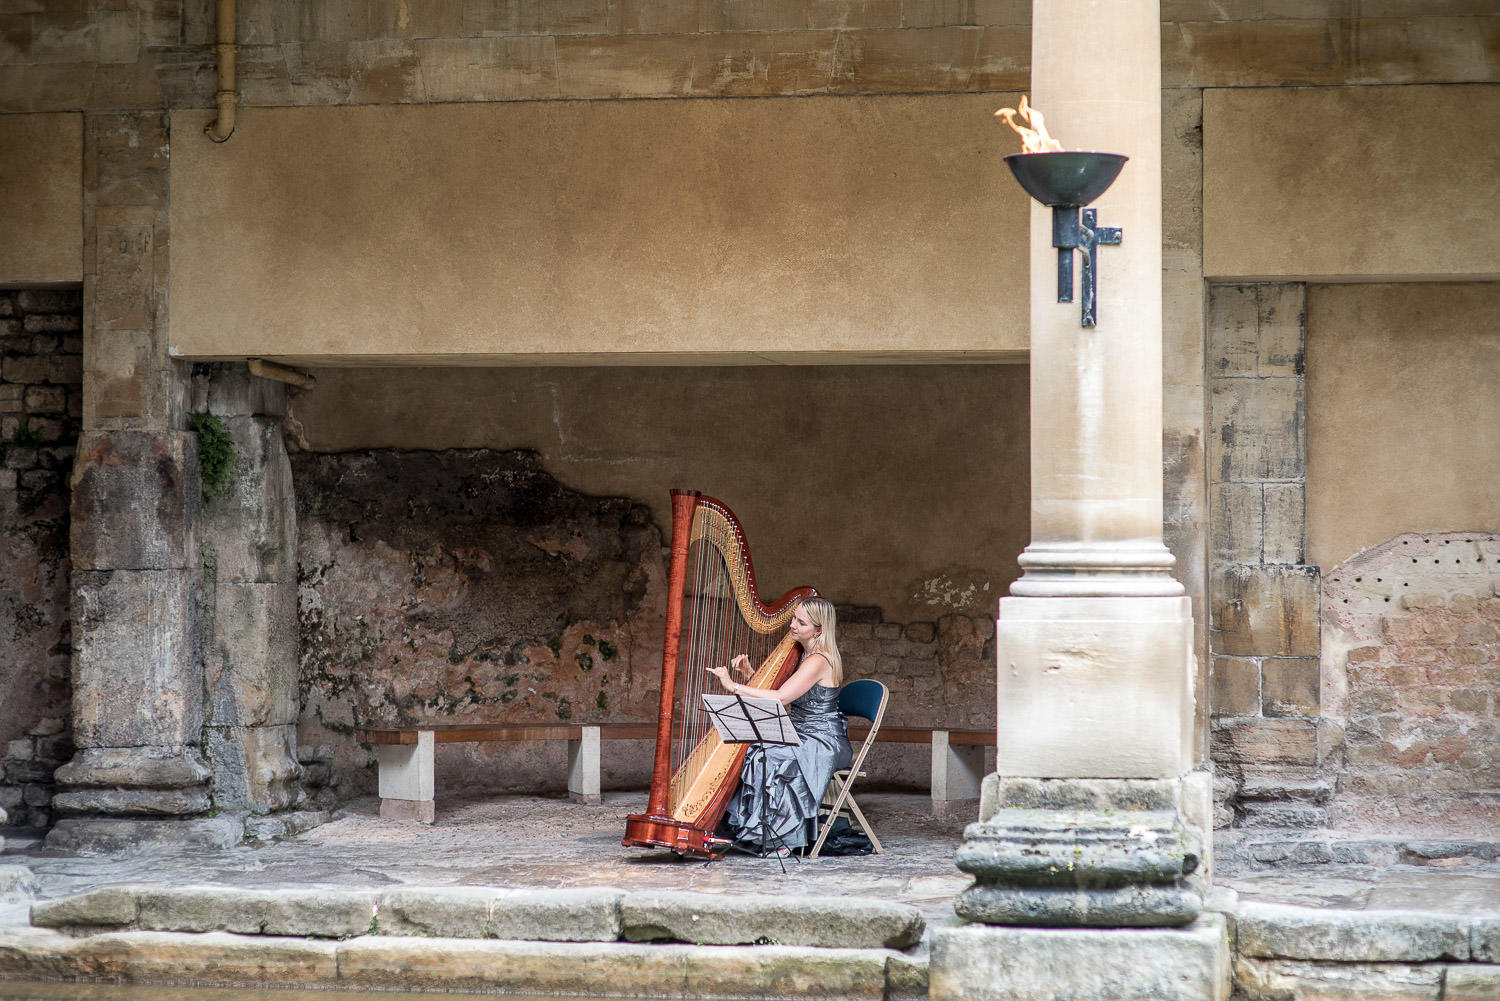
point(406, 781)
point(583, 767)
point(957, 774)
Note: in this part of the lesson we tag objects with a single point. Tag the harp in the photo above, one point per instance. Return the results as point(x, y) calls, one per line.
point(713, 613)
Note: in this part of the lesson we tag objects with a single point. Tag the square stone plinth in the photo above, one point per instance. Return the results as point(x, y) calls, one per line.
point(1097, 687)
point(976, 962)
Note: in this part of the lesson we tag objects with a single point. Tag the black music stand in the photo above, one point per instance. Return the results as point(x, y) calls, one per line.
point(764, 721)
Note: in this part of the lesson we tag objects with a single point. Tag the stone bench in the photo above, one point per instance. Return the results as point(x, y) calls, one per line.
point(957, 761)
point(405, 758)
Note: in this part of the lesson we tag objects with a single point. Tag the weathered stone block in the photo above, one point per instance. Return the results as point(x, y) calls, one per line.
point(567, 915)
point(1289, 932)
point(1235, 522)
point(255, 768)
point(135, 501)
point(112, 835)
point(1289, 686)
point(132, 802)
point(1471, 983)
point(250, 664)
point(1235, 686)
point(1284, 521)
point(1233, 331)
point(1484, 939)
point(1278, 979)
point(622, 968)
point(252, 527)
point(716, 919)
point(108, 907)
point(199, 909)
point(1281, 328)
point(221, 958)
point(1265, 611)
point(1265, 741)
point(989, 963)
point(1257, 429)
point(137, 674)
point(320, 913)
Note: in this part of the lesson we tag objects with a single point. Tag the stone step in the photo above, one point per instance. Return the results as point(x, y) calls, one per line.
point(1264, 848)
point(1277, 790)
point(463, 966)
point(1283, 814)
point(476, 912)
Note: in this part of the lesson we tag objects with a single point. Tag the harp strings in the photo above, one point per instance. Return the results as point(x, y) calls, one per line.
point(716, 630)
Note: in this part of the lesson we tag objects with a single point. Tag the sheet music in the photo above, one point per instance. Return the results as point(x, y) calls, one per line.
point(742, 720)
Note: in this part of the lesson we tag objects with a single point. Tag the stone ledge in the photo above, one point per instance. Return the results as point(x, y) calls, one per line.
point(714, 919)
point(475, 912)
point(1002, 963)
point(503, 966)
point(1284, 931)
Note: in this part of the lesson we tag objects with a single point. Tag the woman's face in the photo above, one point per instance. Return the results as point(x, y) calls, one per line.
point(802, 628)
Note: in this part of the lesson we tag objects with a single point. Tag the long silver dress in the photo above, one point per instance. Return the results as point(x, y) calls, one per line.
point(776, 804)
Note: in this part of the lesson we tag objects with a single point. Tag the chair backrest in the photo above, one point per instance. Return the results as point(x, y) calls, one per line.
point(864, 698)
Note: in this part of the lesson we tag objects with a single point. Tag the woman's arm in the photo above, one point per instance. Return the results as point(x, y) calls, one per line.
point(814, 667)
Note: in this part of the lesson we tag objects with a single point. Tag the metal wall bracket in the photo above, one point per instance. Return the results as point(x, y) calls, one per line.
point(1075, 229)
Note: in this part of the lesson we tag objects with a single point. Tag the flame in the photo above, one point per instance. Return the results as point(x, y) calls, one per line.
point(1034, 139)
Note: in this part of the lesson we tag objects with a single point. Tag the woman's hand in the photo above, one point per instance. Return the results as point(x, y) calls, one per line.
point(742, 665)
point(722, 674)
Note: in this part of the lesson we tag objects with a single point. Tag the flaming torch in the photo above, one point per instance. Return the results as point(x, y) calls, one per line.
point(1065, 181)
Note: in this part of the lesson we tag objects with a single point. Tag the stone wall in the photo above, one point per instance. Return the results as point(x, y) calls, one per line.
point(1263, 604)
point(1411, 668)
point(471, 586)
point(40, 405)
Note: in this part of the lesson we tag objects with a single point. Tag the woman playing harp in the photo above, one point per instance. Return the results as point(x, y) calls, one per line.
point(713, 614)
point(775, 808)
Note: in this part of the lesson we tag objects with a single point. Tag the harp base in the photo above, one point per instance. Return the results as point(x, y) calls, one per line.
point(644, 831)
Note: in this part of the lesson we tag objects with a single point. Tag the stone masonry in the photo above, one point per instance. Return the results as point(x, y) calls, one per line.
point(41, 393)
point(1412, 667)
point(1263, 606)
point(470, 586)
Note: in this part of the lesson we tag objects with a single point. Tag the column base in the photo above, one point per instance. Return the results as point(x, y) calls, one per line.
point(146, 782)
point(990, 963)
point(114, 835)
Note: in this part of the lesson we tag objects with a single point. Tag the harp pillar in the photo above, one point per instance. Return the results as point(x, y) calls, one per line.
point(1095, 817)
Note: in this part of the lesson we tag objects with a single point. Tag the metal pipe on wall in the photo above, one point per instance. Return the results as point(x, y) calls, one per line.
point(222, 127)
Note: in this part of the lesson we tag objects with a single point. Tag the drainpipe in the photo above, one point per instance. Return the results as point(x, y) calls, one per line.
point(222, 128)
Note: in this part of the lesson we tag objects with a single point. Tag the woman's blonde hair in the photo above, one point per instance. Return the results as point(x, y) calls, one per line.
point(821, 614)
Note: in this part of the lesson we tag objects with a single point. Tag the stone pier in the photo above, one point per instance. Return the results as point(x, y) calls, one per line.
point(1096, 817)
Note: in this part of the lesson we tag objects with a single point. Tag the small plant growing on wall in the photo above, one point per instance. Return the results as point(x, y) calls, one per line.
point(218, 462)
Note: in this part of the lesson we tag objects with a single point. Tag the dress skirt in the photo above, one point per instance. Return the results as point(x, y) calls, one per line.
point(776, 804)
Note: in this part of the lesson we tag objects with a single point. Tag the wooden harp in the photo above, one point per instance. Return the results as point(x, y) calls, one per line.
point(713, 613)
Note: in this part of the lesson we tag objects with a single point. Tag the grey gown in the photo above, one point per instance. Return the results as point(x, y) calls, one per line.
point(772, 779)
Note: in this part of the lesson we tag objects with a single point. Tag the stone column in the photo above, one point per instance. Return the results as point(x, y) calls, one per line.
point(1094, 817)
point(249, 531)
point(138, 771)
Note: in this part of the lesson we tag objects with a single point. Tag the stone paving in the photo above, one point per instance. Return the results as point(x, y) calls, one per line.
point(1426, 931)
point(529, 841)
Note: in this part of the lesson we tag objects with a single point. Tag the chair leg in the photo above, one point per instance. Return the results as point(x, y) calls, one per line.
point(864, 825)
point(833, 813)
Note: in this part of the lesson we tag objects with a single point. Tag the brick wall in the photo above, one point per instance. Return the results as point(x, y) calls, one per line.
point(41, 347)
point(1413, 672)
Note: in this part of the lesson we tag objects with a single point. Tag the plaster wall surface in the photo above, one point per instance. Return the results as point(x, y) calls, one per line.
point(1403, 421)
point(901, 487)
point(1342, 182)
point(857, 229)
point(41, 187)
